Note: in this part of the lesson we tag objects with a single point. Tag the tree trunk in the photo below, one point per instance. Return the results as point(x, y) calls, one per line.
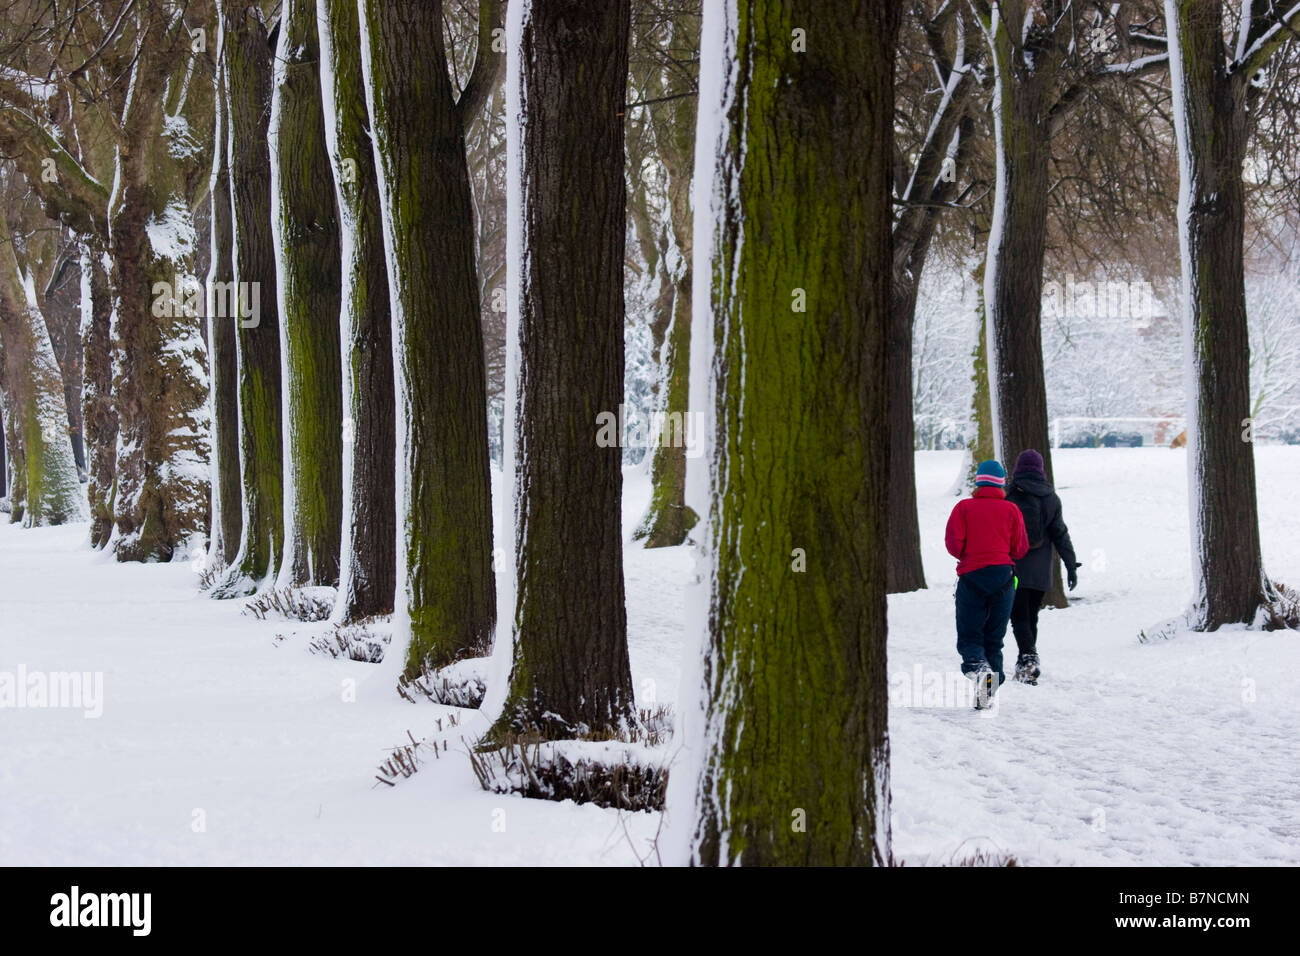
point(448, 591)
point(668, 519)
point(796, 753)
point(160, 384)
point(979, 446)
point(570, 673)
point(1210, 123)
point(904, 570)
point(367, 577)
point(306, 236)
point(1013, 278)
point(98, 411)
point(246, 61)
point(51, 491)
point(223, 364)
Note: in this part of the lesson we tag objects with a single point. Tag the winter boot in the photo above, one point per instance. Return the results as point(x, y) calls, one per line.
point(1027, 669)
point(986, 685)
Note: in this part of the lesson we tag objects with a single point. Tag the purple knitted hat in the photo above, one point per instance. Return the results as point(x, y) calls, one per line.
point(1030, 462)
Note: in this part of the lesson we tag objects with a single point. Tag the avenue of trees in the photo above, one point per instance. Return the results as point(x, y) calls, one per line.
point(281, 280)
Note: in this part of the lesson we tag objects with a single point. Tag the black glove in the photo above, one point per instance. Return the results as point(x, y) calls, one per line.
point(1072, 576)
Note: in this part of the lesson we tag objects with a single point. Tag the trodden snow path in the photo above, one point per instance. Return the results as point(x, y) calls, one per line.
point(216, 745)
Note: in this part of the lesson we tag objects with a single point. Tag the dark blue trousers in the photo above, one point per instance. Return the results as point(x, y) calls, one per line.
point(984, 598)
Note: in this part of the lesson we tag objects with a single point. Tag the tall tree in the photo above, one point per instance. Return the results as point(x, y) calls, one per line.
point(666, 71)
point(569, 62)
point(447, 592)
point(305, 231)
point(795, 749)
point(160, 383)
point(367, 574)
point(223, 361)
point(932, 183)
point(1213, 96)
point(246, 54)
point(1041, 72)
point(50, 492)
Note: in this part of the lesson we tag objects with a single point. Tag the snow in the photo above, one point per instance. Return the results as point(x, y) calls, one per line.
point(713, 182)
point(1173, 753)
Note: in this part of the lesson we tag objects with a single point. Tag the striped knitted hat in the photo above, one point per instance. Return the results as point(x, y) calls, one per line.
point(990, 474)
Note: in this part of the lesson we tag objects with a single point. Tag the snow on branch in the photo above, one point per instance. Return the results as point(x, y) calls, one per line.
point(1257, 56)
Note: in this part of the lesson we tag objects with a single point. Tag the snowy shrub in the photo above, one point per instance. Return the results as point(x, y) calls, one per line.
point(981, 857)
point(362, 641)
point(1282, 612)
point(626, 776)
point(627, 771)
point(461, 684)
point(293, 604)
point(404, 760)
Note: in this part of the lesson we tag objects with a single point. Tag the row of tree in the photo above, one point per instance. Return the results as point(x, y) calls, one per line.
point(324, 418)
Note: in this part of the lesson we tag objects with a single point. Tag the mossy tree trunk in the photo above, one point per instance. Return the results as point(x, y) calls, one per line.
point(305, 231)
point(223, 363)
point(367, 578)
point(796, 754)
point(1212, 100)
point(48, 492)
point(98, 411)
point(668, 519)
point(569, 673)
point(447, 592)
point(979, 446)
point(246, 67)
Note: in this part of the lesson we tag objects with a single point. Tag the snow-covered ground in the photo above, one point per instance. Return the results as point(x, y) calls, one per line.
point(218, 744)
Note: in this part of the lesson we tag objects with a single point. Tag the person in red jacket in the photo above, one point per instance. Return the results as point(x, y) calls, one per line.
point(986, 534)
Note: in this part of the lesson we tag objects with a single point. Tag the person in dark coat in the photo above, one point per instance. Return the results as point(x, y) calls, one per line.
point(986, 534)
point(1034, 495)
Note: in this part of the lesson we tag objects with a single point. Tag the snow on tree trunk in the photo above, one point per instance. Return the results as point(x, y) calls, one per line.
point(979, 446)
point(223, 365)
point(98, 411)
point(50, 490)
point(246, 62)
point(792, 749)
point(161, 499)
point(446, 604)
point(306, 237)
point(668, 520)
point(1210, 123)
point(1013, 275)
point(569, 671)
point(369, 536)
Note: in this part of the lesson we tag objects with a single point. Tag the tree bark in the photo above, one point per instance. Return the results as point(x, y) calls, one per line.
point(570, 673)
point(796, 752)
point(447, 596)
point(223, 362)
point(369, 535)
point(98, 411)
point(305, 231)
point(246, 62)
point(1210, 120)
point(161, 497)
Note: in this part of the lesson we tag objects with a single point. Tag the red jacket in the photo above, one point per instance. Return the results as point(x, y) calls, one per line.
point(985, 529)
